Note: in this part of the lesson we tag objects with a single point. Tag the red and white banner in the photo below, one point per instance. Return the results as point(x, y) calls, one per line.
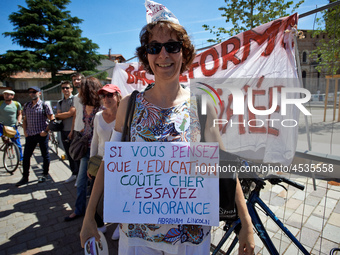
point(260, 61)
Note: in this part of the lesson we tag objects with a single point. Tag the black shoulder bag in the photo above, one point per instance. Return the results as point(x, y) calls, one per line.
point(129, 115)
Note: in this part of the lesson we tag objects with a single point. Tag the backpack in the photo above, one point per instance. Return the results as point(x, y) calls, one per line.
point(44, 107)
point(15, 102)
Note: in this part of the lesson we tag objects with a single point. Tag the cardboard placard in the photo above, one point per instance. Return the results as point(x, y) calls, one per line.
point(161, 183)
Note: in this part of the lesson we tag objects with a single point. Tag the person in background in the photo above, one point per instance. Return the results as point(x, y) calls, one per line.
point(91, 105)
point(166, 51)
point(65, 112)
point(104, 124)
point(77, 122)
point(11, 115)
point(36, 130)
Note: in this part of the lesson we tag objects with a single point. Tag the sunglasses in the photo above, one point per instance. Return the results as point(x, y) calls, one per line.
point(65, 88)
point(108, 95)
point(170, 47)
point(32, 92)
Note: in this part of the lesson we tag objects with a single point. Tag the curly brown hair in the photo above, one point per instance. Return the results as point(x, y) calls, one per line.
point(88, 92)
point(188, 49)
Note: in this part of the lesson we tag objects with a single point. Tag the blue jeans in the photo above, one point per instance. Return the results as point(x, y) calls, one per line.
point(82, 185)
point(16, 140)
point(30, 144)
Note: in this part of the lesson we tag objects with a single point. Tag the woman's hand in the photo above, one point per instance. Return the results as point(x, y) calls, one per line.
point(246, 240)
point(88, 230)
point(88, 175)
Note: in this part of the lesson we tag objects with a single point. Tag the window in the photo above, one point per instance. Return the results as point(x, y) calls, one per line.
point(42, 83)
point(304, 57)
point(304, 75)
point(23, 85)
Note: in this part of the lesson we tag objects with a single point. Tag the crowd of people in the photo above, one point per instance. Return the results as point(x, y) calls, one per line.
point(91, 112)
point(99, 113)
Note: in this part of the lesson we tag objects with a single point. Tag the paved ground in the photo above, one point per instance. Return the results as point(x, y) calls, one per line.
point(32, 216)
point(311, 215)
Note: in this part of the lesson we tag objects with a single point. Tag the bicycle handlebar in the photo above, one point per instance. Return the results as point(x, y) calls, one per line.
point(16, 126)
point(292, 183)
point(273, 179)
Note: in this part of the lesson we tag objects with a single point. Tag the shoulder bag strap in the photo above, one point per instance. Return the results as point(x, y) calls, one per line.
point(129, 115)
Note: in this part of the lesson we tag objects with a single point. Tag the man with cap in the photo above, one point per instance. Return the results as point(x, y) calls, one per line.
point(36, 129)
point(11, 115)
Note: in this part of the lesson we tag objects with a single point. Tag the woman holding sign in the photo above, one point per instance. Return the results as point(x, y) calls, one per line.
point(160, 113)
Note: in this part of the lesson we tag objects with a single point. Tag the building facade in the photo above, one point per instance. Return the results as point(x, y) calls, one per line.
point(313, 80)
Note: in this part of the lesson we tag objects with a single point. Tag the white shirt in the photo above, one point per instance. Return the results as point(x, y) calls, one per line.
point(101, 133)
point(79, 123)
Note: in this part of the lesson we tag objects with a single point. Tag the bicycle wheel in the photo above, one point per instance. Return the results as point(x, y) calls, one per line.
point(55, 146)
point(53, 143)
point(11, 157)
point(228, 242)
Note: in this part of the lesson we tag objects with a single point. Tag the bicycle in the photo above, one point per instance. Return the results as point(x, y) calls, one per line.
point(253, 200)
point(53, 141)
point(11, 154)
point(332, 252)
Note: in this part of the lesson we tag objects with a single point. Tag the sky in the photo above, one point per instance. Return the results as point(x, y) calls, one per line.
point(115, 25)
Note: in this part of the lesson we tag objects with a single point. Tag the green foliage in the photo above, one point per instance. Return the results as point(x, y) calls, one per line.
point(247, 14)
point(51, 39)
point(327, 52)
point(100, 76)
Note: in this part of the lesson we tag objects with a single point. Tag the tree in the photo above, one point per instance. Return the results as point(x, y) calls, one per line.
point(51, 39)
point(247, 14)
point(327, 52)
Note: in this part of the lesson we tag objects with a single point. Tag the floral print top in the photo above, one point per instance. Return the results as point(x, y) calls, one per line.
point(88, 120)
point(176, 124)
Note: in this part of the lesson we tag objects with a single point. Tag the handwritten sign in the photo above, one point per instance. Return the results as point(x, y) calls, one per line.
point(161, 183)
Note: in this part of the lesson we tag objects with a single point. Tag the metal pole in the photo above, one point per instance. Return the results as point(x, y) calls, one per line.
point(297, 58)
point(319, 9)
point(86, 77)
point(300, 17)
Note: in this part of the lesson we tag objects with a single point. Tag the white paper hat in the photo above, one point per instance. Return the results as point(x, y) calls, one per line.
point(156, 12)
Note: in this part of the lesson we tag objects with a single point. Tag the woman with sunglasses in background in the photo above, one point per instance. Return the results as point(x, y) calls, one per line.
point(166, 51)
point(91, 105)
point(104, 124)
